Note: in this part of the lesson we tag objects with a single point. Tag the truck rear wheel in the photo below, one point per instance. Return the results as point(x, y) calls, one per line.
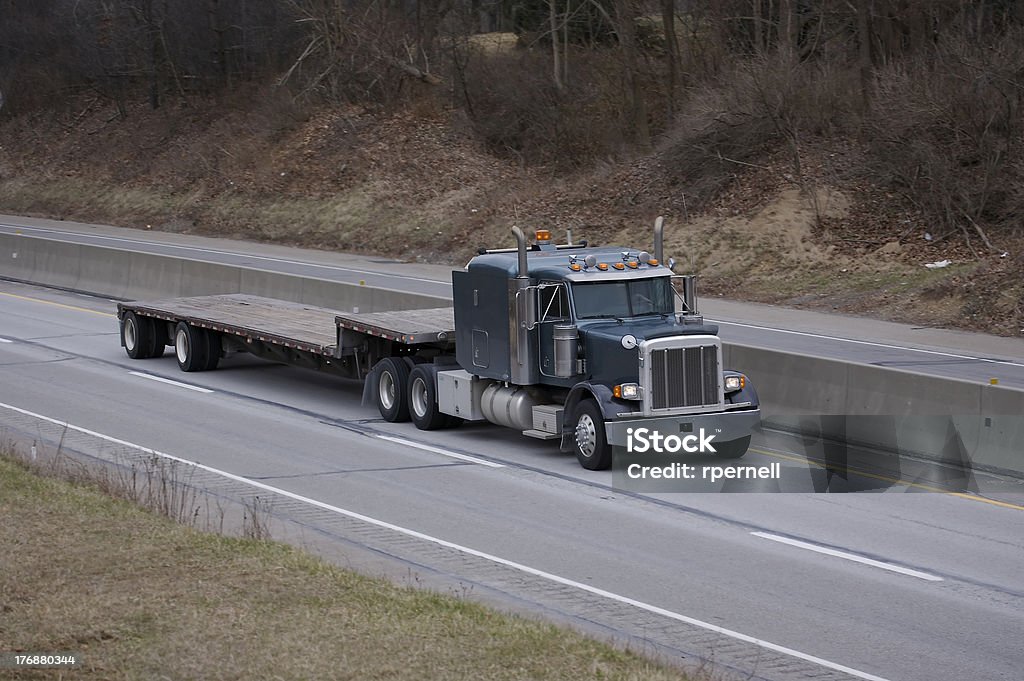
point(423, 399)
point(733, 449)
point(190, 347)
point(139, 336)
point(589, 441)
point(392, 390)
point(213, 349)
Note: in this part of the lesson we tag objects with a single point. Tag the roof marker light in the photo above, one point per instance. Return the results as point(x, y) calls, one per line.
point(603, 266)
point(619, 266)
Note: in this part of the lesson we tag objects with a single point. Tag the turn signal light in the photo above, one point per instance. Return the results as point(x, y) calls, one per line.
point(734, 383)
point(626, 391)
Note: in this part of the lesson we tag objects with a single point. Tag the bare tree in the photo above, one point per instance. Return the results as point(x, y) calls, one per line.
point(626, 13)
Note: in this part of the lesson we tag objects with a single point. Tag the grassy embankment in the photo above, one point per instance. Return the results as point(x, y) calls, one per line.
point(142, 597)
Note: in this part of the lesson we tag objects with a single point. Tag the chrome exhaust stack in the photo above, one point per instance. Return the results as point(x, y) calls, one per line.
point(659, 240)
point(521, 248)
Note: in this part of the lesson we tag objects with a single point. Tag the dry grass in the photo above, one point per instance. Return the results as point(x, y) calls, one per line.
point(142, 597)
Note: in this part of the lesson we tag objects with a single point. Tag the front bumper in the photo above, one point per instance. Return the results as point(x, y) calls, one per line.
point(726, 425)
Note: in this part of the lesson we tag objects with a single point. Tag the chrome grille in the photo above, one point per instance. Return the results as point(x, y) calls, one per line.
point(684, 377)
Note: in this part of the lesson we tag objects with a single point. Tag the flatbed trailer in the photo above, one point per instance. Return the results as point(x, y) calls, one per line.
point(202, 329)
point(570, 343)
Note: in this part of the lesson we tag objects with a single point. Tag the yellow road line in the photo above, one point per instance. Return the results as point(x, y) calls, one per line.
point(50, 302)
point(916, 485)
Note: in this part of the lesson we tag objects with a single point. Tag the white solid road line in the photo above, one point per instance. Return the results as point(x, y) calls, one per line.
point(669, 614)
point(438, 450)
point(168, 381)
point(849, 556)
point(873, 344)
point(232, 253)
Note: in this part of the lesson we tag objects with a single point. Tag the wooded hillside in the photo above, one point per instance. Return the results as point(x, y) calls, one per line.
point(568, 111)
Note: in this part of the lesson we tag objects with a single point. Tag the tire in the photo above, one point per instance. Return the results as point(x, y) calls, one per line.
point(160, 339)
point(190, 347)
point(213, 349)
point(391, 389)
point(589, 441)
point(423, 399)
point(139, 336)
point(733, 449)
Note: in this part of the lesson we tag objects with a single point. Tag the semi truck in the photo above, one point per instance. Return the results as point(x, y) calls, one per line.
point(571, 343)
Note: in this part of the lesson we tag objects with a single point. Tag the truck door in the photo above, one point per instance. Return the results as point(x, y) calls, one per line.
point(553, 309)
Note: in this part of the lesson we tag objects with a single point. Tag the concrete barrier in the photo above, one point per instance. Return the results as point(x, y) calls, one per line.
point(118, 273)
point(951, 421)
point(17, 257)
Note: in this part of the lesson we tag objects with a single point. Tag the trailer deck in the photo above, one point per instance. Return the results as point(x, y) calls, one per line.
point(294, 325)
point(280, 322)
point(411, 327)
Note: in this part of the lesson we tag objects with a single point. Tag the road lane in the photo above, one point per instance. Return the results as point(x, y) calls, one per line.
point(689, 554)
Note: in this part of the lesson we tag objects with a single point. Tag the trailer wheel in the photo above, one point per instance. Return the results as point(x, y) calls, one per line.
point(190, 347)
point(160, 339)
point(392, 390)
point(589, 441)
point(213, 349)
point(733, 449)
point(423, 400)
point(139, 336)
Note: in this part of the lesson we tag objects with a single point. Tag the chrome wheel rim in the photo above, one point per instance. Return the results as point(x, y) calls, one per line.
point(386, 389)
point(181, 345)
point(418, 395)
point(586, 435)
point(131, 336)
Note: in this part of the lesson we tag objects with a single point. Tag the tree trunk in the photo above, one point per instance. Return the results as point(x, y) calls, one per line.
point(625, 17)
point(555, 54)
point(668, 22)
point(864, 40)
point(758, 28)
point(220, 55)
point(787, 26)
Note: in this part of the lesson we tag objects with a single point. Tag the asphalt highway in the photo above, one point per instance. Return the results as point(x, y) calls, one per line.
point(952, 354)
point(891, 583)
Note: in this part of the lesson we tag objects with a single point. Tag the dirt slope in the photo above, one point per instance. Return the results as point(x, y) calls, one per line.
point(417, 185)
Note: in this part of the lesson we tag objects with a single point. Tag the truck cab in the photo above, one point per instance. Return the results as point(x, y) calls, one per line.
point(581, 344)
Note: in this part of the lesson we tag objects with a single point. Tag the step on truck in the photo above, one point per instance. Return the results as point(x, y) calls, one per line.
point(570, 343)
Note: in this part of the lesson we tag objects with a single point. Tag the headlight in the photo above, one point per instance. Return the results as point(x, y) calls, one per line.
point(626, 391)
point(734, 383)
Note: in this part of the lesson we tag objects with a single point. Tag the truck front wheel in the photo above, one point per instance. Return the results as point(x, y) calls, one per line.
point(392, 390)
point(589, 441)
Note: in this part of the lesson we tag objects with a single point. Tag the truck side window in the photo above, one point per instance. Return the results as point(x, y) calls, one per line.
point(554, 302)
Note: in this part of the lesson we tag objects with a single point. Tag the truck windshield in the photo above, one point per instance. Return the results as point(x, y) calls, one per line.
point(628, 298)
